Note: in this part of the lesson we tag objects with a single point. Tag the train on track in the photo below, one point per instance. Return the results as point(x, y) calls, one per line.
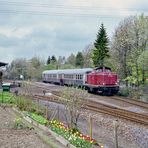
point(100, 79)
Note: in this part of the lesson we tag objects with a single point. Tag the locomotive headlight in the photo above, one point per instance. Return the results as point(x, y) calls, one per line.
point(103, 83)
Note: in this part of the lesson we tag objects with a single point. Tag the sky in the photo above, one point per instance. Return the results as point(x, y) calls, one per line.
point(44, 28)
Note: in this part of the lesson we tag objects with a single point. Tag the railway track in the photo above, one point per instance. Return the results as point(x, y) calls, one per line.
point(117, 112)
point(130, 101)
point(105, 109)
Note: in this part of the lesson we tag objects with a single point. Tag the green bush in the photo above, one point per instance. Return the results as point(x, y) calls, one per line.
point(37, 118)
point(124, 92)
point(6, 97)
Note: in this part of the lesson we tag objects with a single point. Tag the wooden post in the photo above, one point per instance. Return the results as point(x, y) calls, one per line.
point(115, 133)
point(58, 114)
point(38, 105)
point(90, 126)
point(47, 112)
point(2, 96)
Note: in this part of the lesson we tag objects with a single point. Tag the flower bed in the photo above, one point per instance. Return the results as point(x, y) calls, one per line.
point(74, 137)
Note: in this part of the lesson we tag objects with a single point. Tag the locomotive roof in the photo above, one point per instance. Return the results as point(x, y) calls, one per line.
point(68, 71)
point(102, 68)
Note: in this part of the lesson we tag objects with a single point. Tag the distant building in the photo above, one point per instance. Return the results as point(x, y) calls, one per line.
point(3, 64)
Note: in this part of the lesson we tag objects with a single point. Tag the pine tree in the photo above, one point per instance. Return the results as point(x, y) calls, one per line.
point(53, 59)
point(79, 59)
point(48, 60)
point(101, 47)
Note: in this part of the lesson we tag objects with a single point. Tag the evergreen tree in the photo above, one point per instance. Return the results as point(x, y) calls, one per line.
point(101, 47)
point(48, 60)
point(79, 59)
point(53, 59)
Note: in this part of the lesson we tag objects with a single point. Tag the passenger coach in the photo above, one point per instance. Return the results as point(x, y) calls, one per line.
point(66, 77)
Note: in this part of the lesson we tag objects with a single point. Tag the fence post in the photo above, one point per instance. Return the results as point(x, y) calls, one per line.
point(58, 114)
point(47, 112)
point(90, 126)
point(115, 133)
point(37, 105)
point(2, 96)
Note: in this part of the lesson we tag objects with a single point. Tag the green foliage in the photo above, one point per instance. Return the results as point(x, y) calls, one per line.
point(136, 94)
point(17, 67)
point(30, 69)
point(6, 97)
point(53, 60)
point(50, 67)
point(37, 118)
point(24, 103)
point(36, 63)
point(18, 124)
point(79, 60)
point(67, 66)
point(100, 51)
point(129, 49)
point(131, 79)
point(48, 60)
point(124, 92)
point(71, 60)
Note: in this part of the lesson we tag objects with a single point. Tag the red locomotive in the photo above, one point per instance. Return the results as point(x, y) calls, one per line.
point(102, 80)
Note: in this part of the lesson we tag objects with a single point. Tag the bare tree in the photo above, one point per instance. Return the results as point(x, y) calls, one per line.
point(74, 100)
point(87, 54)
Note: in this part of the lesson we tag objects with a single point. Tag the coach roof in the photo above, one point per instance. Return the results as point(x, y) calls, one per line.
point(68, 71)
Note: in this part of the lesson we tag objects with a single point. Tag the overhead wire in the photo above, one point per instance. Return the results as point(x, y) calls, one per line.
point(56, 14)
point(47, 5)
point(60, 13)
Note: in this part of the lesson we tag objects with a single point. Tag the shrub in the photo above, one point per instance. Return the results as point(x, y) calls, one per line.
point(124, 92)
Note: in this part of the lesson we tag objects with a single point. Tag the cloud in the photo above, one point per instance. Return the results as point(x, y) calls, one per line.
point(58, 27)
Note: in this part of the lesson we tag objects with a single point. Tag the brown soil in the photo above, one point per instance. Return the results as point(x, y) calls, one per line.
point(12, 137)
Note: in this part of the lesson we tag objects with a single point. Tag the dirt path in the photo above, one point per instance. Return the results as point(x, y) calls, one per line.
point(12, 136)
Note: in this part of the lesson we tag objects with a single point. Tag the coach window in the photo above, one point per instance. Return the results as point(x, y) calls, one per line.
point(80, 77)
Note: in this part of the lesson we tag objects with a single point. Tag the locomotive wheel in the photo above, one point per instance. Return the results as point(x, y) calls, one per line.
point(89, 90)
point(92, 90)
